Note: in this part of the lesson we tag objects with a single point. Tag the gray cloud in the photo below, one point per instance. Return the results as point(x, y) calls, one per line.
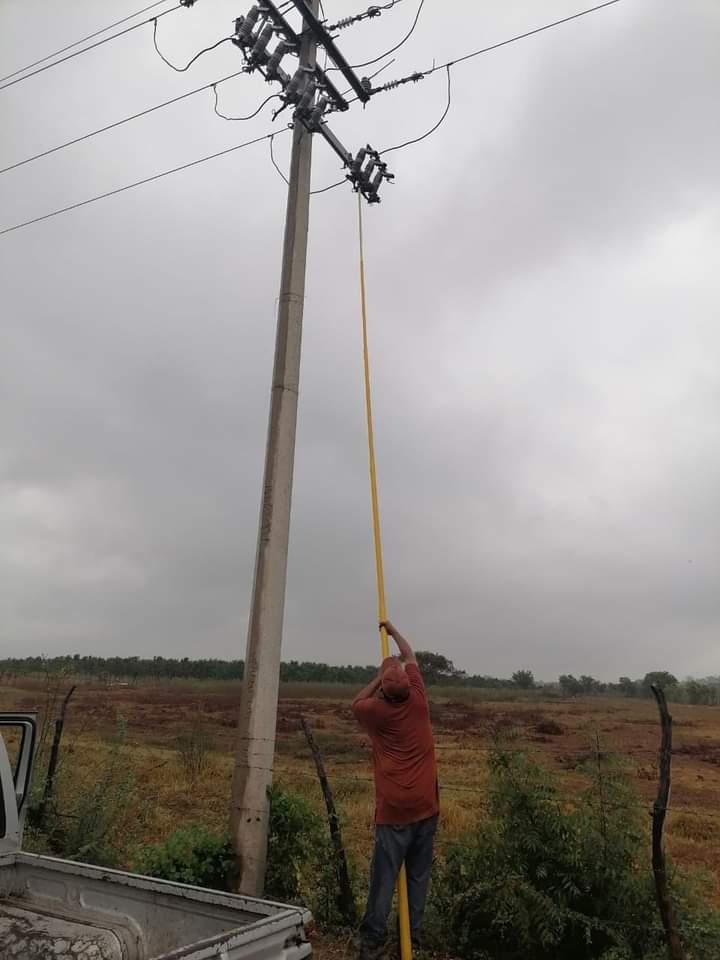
point(543, 289)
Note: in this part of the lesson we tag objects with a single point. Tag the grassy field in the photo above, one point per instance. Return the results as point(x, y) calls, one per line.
point(561, 733)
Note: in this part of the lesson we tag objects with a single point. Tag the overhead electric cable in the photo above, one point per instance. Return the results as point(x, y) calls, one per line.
point(90, 36)
point(371, 77)
point(331, 186)
point(432, 129)
point(391, 85)
point(520, 36)
point(250, 116)
point(421, 74)
point(374, 11)
point(369, 63)
point(92, 46)
point(274, 163)
point(138, 183)
point(191, 61)
point(119, 123)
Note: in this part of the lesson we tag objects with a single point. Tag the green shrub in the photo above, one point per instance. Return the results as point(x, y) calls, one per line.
point(294, 842)
point(543, 881)
point(197, 855)
point(193, 854)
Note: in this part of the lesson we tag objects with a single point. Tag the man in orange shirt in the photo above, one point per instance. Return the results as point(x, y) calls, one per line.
point(393, 709)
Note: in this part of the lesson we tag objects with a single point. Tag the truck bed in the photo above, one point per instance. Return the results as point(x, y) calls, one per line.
point(57, 909)
point(34, 934)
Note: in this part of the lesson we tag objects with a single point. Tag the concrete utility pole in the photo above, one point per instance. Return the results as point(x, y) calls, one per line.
point(258, 711)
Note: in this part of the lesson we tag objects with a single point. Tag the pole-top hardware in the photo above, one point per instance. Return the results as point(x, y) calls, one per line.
point(308, 89)
point(367, 172)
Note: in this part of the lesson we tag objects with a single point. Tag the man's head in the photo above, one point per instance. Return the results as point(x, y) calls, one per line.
point(394, 680)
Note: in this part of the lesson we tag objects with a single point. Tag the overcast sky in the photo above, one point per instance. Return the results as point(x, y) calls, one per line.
point(544, 283)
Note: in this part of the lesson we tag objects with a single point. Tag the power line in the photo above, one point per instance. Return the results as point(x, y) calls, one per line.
point(520, 36)
point(138, 183)
point(421, 74)
point(190, 62)
point(371, 77)
point(432, 129)
point(119, 123)
point(250, 116)
point(274, 163)
point(451, 63)
point(391, 85)
point(92, 46)
point(90, 36)
point(332, 186)
point(369, 14)
point(369, 63)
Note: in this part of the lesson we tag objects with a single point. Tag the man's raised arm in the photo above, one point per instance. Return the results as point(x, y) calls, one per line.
point(406, 651)
point(367, 693)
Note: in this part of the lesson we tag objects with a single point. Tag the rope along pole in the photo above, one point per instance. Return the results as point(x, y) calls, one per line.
point(402, 891)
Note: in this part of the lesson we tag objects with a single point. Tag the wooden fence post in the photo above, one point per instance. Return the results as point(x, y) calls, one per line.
point(665, 906)
point(345, 898)
point(54, 756)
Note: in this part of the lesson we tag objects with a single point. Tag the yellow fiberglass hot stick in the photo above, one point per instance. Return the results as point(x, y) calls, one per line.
point(402, 891)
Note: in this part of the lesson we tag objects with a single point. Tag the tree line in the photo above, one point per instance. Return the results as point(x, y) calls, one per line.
point(436, 668)
point(705, 691)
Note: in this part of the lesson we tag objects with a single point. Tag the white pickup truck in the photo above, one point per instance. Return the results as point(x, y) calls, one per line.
point(54, 909)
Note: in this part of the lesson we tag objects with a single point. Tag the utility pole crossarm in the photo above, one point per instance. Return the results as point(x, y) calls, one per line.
point(291, 38)
point(308, 89)
point(326, 41)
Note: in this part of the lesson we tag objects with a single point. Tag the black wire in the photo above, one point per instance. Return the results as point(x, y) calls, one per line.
point(92, 46)
point(369, 63)
point(520, 36)
point(331, 187)
point(119, 123)
point(249, 117)
point(372, 11)
point(382, 68)
point(503, 43)
point(371, 77)
point(274, 163)
point(90, 36)
point(138, 183)
point(285, 179)
point(432, 70)
point(408, 143)
point(191, 62)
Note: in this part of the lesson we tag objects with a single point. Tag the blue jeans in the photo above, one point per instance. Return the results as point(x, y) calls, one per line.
point(411, 843)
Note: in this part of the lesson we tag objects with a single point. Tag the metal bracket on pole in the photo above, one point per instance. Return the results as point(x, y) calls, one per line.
point(308, 89)
point(254, 42)
point(366, 170)
point(325, 40)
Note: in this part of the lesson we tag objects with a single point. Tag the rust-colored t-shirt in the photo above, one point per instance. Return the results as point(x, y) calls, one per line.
point(406, 787)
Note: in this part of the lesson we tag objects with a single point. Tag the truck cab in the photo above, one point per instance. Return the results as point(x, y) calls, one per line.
point(71, 911)
point(15, 778)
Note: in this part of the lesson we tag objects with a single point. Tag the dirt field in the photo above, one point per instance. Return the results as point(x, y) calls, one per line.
point(562, 733)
